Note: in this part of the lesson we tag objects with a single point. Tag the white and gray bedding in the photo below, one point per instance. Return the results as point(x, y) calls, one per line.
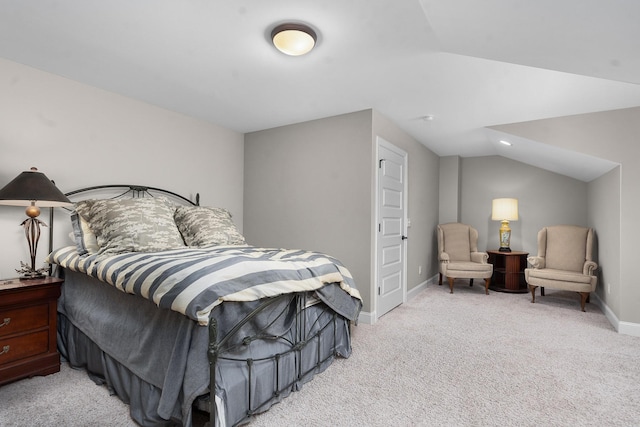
point(193, 281)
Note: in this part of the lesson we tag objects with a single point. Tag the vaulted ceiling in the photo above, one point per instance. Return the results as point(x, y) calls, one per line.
point(468, 64)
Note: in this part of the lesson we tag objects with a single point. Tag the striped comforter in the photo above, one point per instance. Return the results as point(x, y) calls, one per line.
point(194, 281)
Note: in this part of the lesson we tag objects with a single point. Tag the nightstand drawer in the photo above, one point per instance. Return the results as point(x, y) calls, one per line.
point(23, 319)
point(28, 328)
point(23, 346)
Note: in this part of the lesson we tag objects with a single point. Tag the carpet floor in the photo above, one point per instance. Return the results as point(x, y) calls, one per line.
point(462, 359)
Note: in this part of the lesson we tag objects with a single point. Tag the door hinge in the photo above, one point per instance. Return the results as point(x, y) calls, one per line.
point(379, 291)
point(379, 228)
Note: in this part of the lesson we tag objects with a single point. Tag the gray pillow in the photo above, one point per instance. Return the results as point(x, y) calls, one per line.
point(85, 239)
point(202, 226)
point(132, 225)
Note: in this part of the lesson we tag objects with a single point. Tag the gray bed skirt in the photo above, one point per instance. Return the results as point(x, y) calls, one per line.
point(156, 360)
point(143, 398)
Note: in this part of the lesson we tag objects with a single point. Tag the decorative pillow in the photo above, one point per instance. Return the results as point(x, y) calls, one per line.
point(201, 226)
point(85, 239)
point(132, 225)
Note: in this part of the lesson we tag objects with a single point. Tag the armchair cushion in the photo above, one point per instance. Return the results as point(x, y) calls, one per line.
point(560, 276)
point(459, 269)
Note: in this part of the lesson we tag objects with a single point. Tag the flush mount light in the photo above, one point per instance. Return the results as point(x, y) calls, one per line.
point(505, 142)
point(293, 39)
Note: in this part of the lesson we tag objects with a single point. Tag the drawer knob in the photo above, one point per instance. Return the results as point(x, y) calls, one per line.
point(5, 349)
point(7, 320)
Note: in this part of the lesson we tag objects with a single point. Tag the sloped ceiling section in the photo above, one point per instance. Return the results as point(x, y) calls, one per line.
point(609, 135)
point(590, 38)
point(571, 163)
point(469, 64)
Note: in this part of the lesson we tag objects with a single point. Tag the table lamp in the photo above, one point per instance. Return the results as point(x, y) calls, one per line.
point(33, 190)
point(504, 210)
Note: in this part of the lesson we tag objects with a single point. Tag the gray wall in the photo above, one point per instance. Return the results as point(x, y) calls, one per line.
point(310, 185)
point(81, 136)
point(544, 198)
point(611, 135)
point(449, 196)
point(604, 217)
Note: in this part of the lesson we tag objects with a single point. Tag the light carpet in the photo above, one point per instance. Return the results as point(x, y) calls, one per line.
point(462, 359)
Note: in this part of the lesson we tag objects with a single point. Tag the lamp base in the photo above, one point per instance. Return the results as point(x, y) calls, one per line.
point(505, 236)
point(32, 276)
point(27, 272)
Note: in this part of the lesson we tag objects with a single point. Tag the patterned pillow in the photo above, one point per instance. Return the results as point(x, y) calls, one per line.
point(85, 239)
point(132, 225)
point(201, 226)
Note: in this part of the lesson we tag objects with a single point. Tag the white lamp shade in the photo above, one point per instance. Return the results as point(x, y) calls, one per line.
point(504, 209)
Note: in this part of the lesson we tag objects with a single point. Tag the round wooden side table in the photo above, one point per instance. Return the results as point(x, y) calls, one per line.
point(508, 271)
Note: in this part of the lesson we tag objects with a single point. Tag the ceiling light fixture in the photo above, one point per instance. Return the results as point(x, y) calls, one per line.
point(293, 39)
point(505, 143)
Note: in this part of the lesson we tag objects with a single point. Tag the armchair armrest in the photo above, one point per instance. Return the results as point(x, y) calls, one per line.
point(480, 257)
point(536, 261)
point(589, 268)
point(443, 256)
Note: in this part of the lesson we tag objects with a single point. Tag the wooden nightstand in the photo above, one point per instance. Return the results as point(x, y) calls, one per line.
point(28, 328)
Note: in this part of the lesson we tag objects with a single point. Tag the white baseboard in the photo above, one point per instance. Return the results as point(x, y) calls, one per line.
point(626, 328)
point(369, 318)
point(421, 287)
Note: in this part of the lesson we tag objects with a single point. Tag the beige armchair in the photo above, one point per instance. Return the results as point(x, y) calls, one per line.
point(459, 257)
point(564, 261)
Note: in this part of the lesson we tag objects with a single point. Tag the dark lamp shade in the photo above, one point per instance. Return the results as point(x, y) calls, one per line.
point(32, 186)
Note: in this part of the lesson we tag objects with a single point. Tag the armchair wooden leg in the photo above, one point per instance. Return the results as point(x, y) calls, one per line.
point(450, 284)
point(440, 280)
point(533, 293)
point(583, 299)
point(470, 282)
point(541, 291)
point(486, 285)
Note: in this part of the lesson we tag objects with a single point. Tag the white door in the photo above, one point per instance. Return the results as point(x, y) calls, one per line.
point(391, 236)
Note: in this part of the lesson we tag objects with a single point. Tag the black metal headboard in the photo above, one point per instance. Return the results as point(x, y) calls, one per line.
point(135, 191)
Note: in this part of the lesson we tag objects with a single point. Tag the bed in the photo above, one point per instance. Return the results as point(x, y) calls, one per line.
point(164, 301)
